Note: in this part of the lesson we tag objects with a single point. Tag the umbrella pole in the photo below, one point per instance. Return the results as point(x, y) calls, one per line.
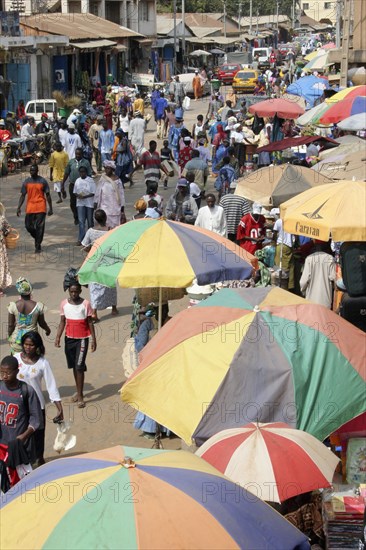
point(160, 307)
point(280, 274)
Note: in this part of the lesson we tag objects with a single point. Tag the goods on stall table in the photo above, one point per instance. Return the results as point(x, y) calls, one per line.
point(343, 520)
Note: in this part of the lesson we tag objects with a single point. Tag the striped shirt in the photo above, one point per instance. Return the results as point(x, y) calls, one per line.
point(235, 208)
point(151, 163)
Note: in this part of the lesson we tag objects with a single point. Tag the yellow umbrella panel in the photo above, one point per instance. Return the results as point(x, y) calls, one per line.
point(336, 211)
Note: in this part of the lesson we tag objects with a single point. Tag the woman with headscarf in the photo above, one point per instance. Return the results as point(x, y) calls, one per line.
point(122, 156)
point(141, 206)
point(110, 195)
point(101, 297)
point(5, 277)
point(24, 315)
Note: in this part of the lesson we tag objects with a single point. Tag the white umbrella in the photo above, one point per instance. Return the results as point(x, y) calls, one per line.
point(197, 53)
point(353, 123)
point(319, 62)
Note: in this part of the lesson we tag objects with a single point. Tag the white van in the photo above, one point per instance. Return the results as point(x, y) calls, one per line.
point(263, 55)
point(36, 107)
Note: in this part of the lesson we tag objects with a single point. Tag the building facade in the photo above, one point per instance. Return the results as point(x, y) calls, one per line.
point(320, 10)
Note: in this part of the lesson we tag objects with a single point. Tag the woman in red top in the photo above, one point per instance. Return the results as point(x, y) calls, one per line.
point(76, 318)
point(185, 154)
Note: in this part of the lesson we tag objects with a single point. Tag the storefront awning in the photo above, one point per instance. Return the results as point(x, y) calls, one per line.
point(93, 44)
point(120, 48)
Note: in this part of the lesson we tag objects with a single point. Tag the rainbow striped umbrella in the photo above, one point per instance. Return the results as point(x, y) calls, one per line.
point(344, 109)
point(127, 498)
point(243, 355)
point(282, 462)
point(161, 253)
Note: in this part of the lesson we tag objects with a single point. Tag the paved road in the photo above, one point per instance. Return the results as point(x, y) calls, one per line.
point(105, 421)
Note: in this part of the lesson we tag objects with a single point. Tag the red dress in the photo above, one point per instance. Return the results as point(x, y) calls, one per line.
point(184, 156)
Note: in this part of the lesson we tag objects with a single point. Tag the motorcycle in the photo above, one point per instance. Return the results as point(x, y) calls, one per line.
point(12, 156)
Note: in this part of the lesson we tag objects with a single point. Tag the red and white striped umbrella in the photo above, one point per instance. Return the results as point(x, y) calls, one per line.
point(272, 460)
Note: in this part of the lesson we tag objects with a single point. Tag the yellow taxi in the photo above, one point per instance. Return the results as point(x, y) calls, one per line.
point(245, 80)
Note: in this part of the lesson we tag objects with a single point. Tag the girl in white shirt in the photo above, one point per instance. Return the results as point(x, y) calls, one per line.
point(33, 368)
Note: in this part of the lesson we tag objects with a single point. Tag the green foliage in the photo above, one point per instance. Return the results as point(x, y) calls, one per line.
point(264, 7)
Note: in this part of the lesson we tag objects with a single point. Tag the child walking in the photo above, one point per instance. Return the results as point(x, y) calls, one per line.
point(76, 320)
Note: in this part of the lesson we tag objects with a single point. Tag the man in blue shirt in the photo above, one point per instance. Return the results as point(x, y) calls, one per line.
point(160, 105)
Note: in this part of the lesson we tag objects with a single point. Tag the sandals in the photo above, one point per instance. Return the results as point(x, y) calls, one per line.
point(81, 405)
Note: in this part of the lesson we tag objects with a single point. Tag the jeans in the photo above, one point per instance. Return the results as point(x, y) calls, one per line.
point(85, 214)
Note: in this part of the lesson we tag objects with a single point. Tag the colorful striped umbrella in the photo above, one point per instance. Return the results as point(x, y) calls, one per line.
point(319, 62)
point(313, 115)
point(161, 253)
point(354, 91)
point(243, 355)
point(344, 109)
point(282, 462)
point(155, 499)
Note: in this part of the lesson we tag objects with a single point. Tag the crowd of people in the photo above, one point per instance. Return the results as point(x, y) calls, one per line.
point(96, 159)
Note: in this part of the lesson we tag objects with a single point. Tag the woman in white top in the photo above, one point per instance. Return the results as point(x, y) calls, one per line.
point(33, 368)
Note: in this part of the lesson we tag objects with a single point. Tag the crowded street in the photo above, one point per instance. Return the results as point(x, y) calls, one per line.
point(182, 294)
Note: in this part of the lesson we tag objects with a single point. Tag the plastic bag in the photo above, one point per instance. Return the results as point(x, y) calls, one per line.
point(186, 103)
point(64, 440)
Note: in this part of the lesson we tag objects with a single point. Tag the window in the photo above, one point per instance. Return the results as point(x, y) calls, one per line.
point(40, 107)
point(328, 5)
point(305, 5)
point(50, 107)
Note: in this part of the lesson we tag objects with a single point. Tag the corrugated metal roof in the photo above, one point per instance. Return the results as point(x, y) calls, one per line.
point(77, 26)
point(165, 25)
point(94, 44)
point(201, 32)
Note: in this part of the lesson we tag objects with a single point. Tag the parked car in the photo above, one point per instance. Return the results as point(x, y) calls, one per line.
point(262, 55)
point(245, 80)
point(187, 79)
point(227, 72)
point(36, 107)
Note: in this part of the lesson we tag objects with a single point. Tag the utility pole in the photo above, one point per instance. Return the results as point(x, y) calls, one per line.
point(257, 22)
point(345, 43)
point(183, 30)
point(338, 22)
point(175, 37)
point(225, 18)
point(239, 18)
point(250, 16)
point(277, 8)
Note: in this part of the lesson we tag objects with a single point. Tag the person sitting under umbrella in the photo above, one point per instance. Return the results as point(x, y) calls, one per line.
point(147, 328)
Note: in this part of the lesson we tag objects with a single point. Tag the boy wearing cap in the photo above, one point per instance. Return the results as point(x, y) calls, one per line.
point(44, 126)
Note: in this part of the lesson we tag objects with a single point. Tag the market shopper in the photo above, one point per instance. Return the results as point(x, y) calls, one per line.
point(36, 190)
point(33, 369)
point(76, 321)
point(71, 174)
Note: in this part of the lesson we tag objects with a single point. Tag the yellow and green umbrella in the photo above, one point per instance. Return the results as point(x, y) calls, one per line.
point(125, 498)
point(334, 211)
